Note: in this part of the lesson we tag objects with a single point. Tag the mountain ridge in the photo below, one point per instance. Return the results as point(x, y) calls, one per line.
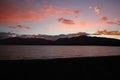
point(81, 40)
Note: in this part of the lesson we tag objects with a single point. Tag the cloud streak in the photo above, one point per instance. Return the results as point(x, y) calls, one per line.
point(117, 22)
point(20, 27)
point(109, 21)
point(66, 21)
point(104, 18)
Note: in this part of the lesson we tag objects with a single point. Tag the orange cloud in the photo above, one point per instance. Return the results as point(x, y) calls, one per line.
point(11, 12)
point(19, 27)
point(65, 21)
point(97, 10)
point(7, 11)
point(104, 18)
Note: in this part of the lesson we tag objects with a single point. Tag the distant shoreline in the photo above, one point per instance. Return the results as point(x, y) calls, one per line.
point(54, 45)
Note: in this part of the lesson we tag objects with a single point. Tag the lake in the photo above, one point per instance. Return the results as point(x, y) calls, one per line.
point(15, 52)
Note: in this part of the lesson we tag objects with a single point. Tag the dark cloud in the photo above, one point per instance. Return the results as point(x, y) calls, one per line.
point(20, 27)
point(66, 21)
point(7, 35)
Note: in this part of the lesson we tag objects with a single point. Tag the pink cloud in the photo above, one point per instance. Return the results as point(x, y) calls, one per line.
point(104, 18)
point(66, 21)
point(117, 22)
point(47, 9)
point(12, 12)
point(77, 11)
point(110, 22)
point(63, 11)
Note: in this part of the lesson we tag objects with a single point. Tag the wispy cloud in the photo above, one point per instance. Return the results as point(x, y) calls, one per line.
point(117, 22)
point(62, 11)
point(110, 21)
point(77, 11)
point(20, 27)
point(66, 21)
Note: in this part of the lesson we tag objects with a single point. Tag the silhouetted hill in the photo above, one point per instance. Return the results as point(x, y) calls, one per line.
point(84, 40)
point(88, 68)
point(81, 40)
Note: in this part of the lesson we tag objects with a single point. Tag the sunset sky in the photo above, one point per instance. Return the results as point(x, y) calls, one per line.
point(53, 17)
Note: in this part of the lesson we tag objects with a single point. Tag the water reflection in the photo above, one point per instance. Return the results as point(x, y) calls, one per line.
point(43, 52)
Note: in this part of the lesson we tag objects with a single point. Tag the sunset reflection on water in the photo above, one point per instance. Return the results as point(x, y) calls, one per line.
point(46, 52)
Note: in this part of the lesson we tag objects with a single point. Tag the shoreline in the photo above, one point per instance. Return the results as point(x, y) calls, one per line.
point(98, 68)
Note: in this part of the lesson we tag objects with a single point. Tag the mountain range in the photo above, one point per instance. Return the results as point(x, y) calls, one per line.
point(79, 40)
point(4, 35)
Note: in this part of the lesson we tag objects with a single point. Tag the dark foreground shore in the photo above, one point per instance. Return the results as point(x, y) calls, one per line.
point(89, 68)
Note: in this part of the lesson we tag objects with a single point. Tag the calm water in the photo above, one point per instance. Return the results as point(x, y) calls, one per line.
point(44, 52)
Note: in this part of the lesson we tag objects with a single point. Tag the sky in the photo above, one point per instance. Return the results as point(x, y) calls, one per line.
point(53, 17)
